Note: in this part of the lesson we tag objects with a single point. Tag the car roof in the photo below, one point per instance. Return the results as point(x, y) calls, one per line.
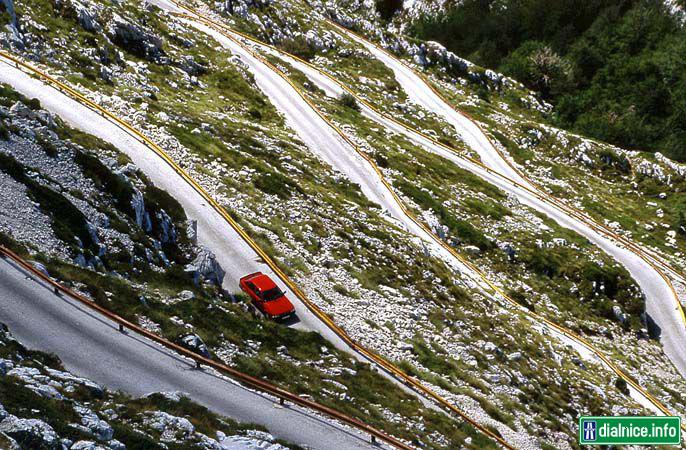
point(263, 282)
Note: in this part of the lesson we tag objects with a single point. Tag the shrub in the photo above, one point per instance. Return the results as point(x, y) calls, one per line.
point(388, 8)
point(4, 132)
point(34, 104)
point(348, 101)
point(299, 47)
point(103, 177)
point(276, 184)
point(622, 386)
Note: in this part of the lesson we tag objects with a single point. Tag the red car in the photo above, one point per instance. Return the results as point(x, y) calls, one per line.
point(267, 296)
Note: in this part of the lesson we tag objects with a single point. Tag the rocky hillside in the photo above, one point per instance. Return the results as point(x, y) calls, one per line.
point(70, 197)
point(169, 286)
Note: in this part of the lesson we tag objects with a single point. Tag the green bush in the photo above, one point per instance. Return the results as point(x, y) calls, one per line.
point(116, 185)
point(34, 104)
point(388, 8)
point(275, 183)
point(299, 47)
point(4, 132)
point(348, 101)
point(622, 386)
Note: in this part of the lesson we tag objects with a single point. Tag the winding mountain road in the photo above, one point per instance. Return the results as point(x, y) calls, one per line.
point(234, 255)
point(92, 346)
point(324, 141)
point(661, 304)
point(527, 197)
point(232, 252)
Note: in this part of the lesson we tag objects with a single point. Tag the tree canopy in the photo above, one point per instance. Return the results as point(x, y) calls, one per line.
point(614, 69)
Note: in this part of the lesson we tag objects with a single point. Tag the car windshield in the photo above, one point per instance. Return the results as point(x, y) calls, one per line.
point(272, 294)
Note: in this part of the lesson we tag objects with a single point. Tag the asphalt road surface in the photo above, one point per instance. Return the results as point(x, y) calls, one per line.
point(92, 346)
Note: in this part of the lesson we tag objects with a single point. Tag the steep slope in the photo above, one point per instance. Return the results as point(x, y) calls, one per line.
point(613, 69)
point(354, 261)
point(629, 255)
point(173, 307)
point(131, 363)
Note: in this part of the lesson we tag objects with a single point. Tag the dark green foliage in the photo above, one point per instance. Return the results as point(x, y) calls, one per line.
point(522, 298)
point(387, 8)
point(33, 103)
point(5, 17)
point(84, 64)
point(133, 439)
point(156, 199)
point(348, 101)
point(600, 287)
point(67, 220)
point(4, 132)
point(612, 161)
point(622, 386)
point(8, 95)
point(117, 185)
point(276, 184)
point(299, 47)
point(615, 69)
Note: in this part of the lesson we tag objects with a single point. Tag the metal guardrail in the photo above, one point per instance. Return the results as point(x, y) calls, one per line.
point(564, 331)
point(250, 381)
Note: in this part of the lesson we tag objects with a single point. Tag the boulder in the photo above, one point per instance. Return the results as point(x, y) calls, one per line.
point(135, 40)
point(619, 314)
point(142, 216)
point(514, 356)
point(88, 18)
point(192, 230)
point(472, 249)
point(168, 425)
point(21, 110)
point(186, 295)
point(100, 429)
point(116, 445)
point(193, 68)
point(40, 267)
point(32, 433)
point(205, 266)
point(87, 445)
point(195, 344)
point(167, 229)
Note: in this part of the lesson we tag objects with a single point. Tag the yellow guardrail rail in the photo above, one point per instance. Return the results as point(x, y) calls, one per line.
point(225, 30)
point(368, 354)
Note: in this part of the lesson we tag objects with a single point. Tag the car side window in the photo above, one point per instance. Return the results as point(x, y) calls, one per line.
point(251, 285)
